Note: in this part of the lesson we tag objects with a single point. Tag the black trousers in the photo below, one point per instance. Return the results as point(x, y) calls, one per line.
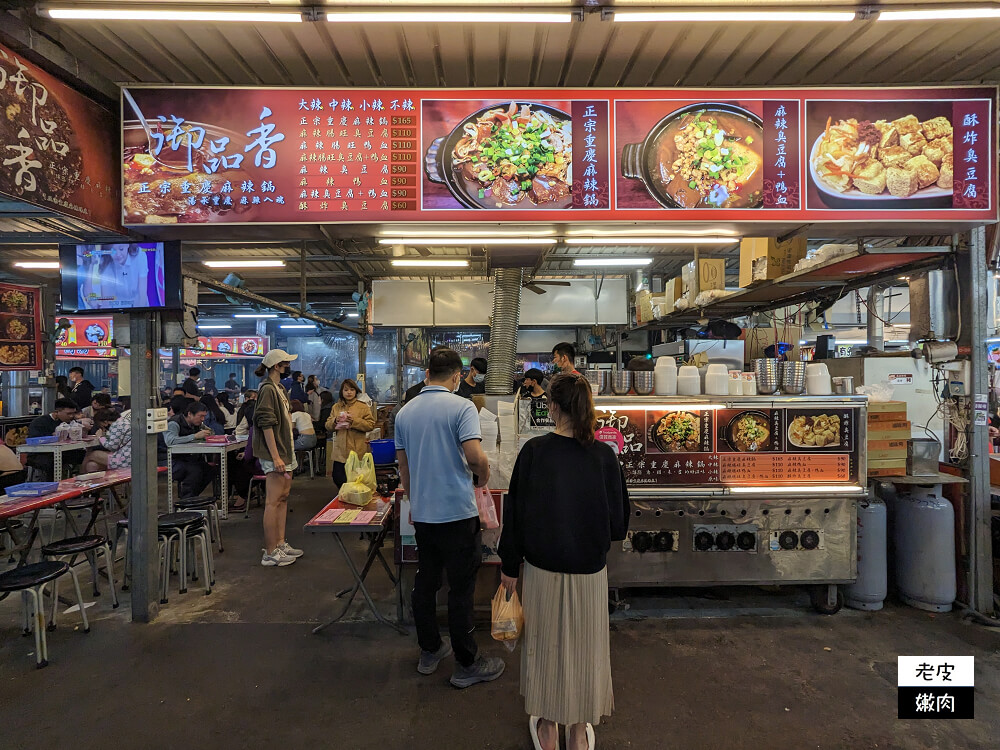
point(456, 548)
point(339, 473)
point(192, 477)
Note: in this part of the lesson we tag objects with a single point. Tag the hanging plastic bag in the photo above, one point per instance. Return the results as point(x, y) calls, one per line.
point(487, 509)
point(366, 474)
point(508, 618)
point(355, 491)
point(352, 467)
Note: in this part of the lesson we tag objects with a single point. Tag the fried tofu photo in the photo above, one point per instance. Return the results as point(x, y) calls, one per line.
point(947, 176)
point(908, 124)
point(913, 142)
point(927, 172)
point(902, 183)
point(871, 179)
point(935, 152)
point(890, 136)
point(938, 127)
point(894, 156)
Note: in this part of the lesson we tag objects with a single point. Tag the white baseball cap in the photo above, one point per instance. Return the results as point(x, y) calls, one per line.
point(275, 356)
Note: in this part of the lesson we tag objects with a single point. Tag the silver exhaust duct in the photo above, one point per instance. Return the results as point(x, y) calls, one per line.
point(503, 331)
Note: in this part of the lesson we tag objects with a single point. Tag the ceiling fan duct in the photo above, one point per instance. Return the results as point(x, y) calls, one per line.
point(503, 332)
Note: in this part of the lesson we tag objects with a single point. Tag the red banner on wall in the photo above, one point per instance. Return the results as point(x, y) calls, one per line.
point(56, 146)
point(270, 155)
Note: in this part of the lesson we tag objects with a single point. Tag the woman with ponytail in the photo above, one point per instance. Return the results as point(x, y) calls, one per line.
point(567, 504)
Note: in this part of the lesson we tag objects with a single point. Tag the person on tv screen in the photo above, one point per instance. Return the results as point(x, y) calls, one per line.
point(117, 276)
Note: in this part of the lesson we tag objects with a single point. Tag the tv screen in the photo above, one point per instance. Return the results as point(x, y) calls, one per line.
point(120, 276)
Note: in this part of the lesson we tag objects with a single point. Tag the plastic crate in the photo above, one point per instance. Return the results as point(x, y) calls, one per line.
point(32, 489)
point(42, 440)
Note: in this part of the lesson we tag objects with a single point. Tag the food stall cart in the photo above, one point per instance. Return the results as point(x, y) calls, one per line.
point(739, 490)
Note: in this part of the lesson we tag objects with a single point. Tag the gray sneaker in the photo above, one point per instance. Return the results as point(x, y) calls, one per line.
point(429, 662)
point(484, 669)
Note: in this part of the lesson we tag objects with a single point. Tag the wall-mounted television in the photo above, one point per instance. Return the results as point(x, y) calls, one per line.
point(121, 276)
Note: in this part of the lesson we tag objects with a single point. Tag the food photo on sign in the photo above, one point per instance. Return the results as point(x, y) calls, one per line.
point(674, 154)
point(496, 155)
point(20, 328)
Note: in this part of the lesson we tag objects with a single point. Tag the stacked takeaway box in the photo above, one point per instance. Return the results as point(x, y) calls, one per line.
point(888, 434)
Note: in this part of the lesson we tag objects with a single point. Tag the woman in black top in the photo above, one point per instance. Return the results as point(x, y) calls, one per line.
point(567, 504)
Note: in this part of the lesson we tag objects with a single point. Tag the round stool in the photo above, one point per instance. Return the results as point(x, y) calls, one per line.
point(32, 578)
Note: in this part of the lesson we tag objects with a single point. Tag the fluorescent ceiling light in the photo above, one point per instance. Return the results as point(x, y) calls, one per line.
point(448, 16)
point(244, 263)
point(422, 233)
point(353, 315)
point(170, 14)
point(723, 16)
point(639, 240)
point(297, 325)
point(214, 326)
point(612, 261)
point(255, 315)
point(939, 14)
point(429, 262)
point(374, 363)
point(38, 265)
point(492, 239)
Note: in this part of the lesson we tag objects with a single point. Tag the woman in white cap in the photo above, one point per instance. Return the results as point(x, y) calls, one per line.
point(273, 447)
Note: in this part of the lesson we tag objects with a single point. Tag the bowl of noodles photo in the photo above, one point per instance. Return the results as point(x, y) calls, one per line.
point(513, 155)
point(677, 432)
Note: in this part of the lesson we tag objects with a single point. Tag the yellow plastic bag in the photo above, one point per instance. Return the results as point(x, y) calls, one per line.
point(352, 467)
point(367, 475)
point(508, 619)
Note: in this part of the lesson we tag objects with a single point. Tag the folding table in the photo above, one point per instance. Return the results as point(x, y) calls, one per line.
point(378, 527)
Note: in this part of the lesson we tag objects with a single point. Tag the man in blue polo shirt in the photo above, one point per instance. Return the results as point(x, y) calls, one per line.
point(439, 448)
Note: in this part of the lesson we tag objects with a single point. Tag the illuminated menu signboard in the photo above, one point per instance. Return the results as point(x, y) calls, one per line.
point(276, 155)
point(770, 446)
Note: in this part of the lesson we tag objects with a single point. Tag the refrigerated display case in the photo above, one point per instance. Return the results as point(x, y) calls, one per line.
point(739, 490)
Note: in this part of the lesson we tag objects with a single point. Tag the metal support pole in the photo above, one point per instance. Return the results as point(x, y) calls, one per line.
point(142, 537)
point(972, 274)
point(876, 329)
point(175, 365)
point(48, 350)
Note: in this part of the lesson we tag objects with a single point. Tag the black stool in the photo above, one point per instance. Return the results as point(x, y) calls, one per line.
point(207, 503)
point(32, 578)
point(77, 545)
point(183, 527)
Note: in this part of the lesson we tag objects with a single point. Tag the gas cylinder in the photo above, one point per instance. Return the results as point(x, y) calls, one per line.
point(924, 534)
point(869, 591)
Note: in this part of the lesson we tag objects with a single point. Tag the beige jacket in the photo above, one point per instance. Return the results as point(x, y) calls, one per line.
point(345, 441)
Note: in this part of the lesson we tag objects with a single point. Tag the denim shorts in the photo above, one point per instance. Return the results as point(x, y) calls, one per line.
point(268, 466)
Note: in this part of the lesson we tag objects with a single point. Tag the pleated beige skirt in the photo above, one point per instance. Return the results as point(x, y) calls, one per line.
point(566, 652)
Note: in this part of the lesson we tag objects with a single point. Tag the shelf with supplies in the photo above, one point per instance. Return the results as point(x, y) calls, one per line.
point(844, 273)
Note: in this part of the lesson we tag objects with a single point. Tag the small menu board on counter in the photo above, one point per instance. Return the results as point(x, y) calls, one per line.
point(707, 445)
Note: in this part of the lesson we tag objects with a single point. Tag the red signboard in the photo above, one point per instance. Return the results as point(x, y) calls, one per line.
point(272, 155)
point(86, 332)
point(228, 346)
point(56, 146)
point(20, 328)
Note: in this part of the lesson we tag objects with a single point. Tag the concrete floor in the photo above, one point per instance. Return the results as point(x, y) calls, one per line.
point(737, 668)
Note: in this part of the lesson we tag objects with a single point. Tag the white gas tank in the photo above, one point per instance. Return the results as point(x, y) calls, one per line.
point(870, 590)
point(924, 534)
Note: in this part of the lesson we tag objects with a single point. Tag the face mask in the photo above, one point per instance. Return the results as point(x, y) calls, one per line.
point(457, 386)
point(479, 378)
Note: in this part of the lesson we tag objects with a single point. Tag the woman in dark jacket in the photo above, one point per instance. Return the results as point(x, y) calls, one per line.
point(567, 504)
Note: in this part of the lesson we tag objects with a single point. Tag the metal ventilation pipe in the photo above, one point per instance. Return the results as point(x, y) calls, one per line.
point(503, 331)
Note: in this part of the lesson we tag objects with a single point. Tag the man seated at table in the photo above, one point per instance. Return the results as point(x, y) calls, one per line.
point(98, 400)
point(190, 471)
point(64, 412)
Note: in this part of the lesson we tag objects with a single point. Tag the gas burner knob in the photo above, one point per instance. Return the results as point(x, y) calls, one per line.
point(745, 540)
point(703, 541)
point(788, 540)
point(810, 539)
point(725, 540)
point(641, 541)
point(663, 541)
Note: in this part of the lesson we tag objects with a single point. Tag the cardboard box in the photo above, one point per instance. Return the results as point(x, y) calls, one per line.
point(643, 307)
point(898, 445)
point(674, 289)
point(877, 420)
point(893, 467)
point(890, 431)
point(994, 469)
point(886, 455)
point(781, 257)
point(881, 407)
point(883, 425)
point(702, 275)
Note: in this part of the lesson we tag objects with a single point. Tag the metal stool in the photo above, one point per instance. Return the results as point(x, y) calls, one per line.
point(32, 579)
point(308, 454)
point(182, 528)
point(206, 503)
point(77, 545)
